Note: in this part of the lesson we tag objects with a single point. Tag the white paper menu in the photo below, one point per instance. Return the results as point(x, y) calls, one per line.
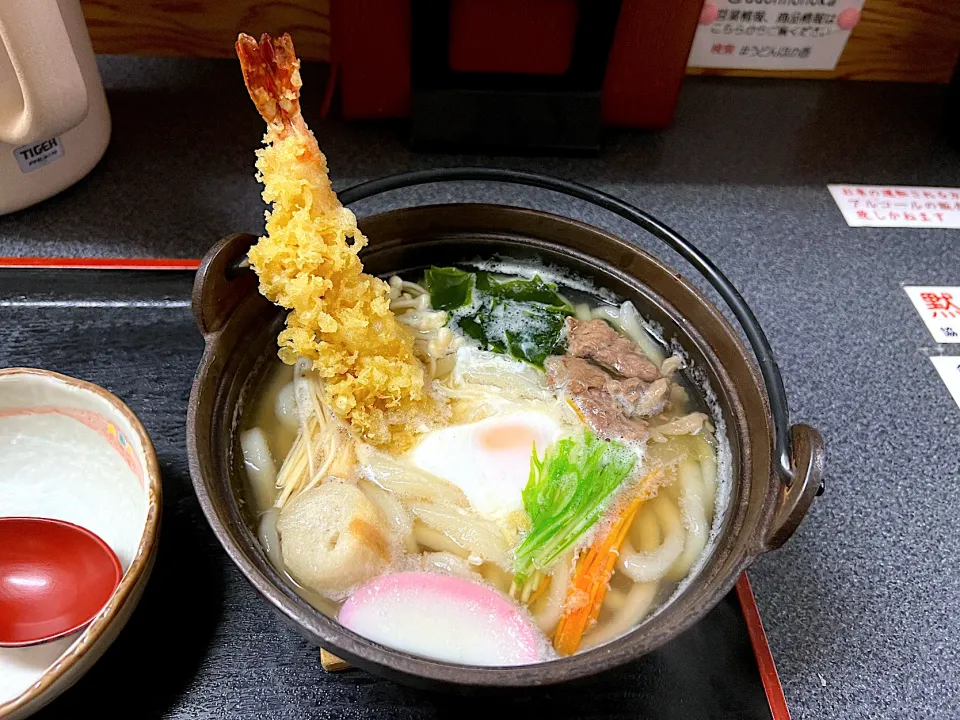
point(949, 368)
point(771, 35)
point(898, 206)
point(939, 307)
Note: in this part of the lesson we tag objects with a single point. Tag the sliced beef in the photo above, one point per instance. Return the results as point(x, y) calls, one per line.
point(609, 379)
point(597, 341)
point(607, 404)
point(576, 376)
point(605, 415)
point(635, 397)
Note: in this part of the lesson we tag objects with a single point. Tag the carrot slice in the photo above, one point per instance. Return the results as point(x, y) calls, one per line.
point(590, 582)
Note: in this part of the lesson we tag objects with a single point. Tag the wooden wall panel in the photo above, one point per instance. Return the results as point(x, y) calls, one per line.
point(204, 28)
point(902, 40)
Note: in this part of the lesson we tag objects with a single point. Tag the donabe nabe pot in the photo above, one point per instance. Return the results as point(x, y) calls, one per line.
point(240, 328)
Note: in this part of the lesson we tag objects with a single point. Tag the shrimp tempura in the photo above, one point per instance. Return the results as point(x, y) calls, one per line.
point(339, 316)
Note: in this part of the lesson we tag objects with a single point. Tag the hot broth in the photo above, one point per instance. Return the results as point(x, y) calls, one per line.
point(526, 368)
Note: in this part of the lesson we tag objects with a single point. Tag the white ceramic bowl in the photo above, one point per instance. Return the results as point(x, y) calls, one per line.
point(72, 451)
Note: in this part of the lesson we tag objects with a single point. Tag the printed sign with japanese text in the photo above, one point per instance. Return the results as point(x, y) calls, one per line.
point(882, 206)
point(949, 368)
point(940, 309)
point(773, 34)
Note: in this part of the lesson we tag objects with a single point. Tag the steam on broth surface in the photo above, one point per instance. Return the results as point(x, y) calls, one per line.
point(465, 465)
point(582, 401)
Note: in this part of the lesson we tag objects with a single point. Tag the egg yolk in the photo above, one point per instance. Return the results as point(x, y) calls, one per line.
point(508, 437)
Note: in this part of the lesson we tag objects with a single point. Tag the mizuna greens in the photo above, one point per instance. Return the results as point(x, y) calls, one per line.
point(520, 317)
point(566, 494)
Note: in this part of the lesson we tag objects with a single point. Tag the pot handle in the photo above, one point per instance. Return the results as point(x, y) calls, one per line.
point(222, 282)
point(795, 499)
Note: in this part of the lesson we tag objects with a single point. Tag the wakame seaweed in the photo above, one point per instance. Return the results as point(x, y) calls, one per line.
point(449, 288)
point(522, 317)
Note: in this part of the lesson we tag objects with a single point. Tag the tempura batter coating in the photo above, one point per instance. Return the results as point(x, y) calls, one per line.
point(340, 317)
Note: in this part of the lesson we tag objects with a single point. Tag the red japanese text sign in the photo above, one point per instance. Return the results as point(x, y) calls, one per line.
point(892, 206)
point(939, 306)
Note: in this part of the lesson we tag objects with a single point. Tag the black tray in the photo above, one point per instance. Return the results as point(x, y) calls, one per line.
point(201, 643)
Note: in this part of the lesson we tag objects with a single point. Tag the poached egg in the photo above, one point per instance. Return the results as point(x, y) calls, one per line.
point(488, 460)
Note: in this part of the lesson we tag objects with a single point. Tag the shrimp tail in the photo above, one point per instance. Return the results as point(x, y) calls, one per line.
point(271, 72)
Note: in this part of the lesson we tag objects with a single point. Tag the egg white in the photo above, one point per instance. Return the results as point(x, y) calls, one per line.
point(489, 460)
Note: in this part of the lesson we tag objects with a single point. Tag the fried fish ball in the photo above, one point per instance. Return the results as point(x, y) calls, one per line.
point(332, 537)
